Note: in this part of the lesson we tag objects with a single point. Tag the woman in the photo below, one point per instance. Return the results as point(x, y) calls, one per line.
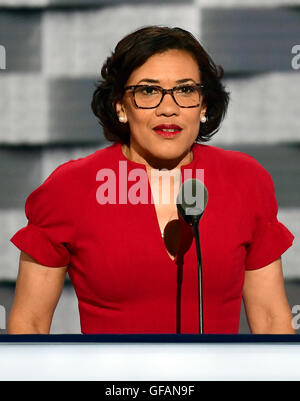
point(133, 261)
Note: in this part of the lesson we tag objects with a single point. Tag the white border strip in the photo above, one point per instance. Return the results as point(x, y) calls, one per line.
point(134, 361)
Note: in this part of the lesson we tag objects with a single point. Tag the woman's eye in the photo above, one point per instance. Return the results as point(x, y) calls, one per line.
point(149, 90)
point(185, 89)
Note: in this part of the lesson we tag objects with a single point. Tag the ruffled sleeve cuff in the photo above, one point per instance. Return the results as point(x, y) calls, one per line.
point(34, 241)
point(269, 244)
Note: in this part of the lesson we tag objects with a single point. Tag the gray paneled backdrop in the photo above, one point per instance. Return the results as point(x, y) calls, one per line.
point(54, 52)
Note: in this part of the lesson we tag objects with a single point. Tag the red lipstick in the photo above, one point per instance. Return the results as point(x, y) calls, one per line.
point(167, 130)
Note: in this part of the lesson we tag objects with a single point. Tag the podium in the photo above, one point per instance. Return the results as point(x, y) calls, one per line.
point(143, 357)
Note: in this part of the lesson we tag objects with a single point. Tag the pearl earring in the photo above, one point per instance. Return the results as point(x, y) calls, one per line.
point(122, 119)
point(203, 119)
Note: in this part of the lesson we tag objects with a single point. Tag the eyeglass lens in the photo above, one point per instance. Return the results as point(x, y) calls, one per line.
point(150, 96)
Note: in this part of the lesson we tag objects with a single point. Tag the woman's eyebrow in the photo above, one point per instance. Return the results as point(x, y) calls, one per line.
point(155, 81)
point(152, 81)
point(180, 81)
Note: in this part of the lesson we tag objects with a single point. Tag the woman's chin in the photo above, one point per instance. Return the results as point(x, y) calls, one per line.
point(171, 157)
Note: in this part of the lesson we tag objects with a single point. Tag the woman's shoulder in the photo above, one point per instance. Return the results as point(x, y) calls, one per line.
point(75, 169)
point(68, 184)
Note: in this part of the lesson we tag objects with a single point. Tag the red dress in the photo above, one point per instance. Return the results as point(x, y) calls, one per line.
point(123, 277)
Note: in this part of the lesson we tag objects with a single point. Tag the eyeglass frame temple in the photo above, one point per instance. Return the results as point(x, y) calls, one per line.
point(164, 92)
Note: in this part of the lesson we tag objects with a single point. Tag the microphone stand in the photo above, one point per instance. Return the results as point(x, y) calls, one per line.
point(195, 223)
point(192, 215)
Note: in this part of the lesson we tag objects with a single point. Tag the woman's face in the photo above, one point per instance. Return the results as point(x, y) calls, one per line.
point(166, 69)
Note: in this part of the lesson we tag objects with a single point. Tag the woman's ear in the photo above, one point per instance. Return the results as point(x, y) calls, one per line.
point(203, 110)
point(121, 112)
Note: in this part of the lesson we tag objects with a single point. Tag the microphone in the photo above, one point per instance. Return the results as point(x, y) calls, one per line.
point(191, 202)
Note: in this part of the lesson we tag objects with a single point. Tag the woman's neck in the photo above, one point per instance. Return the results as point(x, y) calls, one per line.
point(151, 162)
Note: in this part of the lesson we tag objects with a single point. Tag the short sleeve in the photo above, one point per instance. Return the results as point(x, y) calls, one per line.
point(270, 238)
point(49, 234)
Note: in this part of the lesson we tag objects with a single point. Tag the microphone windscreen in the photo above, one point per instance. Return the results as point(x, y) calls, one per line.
point(192, 198)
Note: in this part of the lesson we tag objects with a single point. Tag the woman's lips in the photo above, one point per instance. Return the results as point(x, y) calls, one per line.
point(167, 130)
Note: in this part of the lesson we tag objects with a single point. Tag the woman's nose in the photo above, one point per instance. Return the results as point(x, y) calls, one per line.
point(168, 106)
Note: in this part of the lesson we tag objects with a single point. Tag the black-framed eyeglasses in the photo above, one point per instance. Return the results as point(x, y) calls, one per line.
point(151, 96)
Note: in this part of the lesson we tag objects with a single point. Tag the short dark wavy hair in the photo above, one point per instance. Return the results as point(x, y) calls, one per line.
point(132, 52)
